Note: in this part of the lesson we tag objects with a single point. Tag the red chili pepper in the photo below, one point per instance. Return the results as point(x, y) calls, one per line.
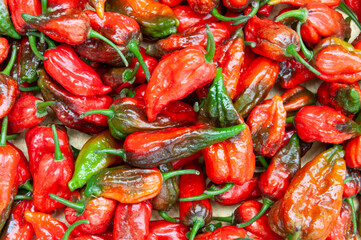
point(330, 3)
point(171, 3)
point(163, 230)
point(324, 124)
point(88, 237)
point(188, 18)
point(45, 226)
point(18, 7)
point(195, 214)
point(267, 124)
point(352, 153)
point(224, 233)
point(355, 6)
point(151, 63)
point(23, 173)
point(203, 6)
point(236, 5)
point(58, 4)
point(131, 221)
point(296, 98)
point(352, 183)
point(180, 163)
point(4, 49)
point(230, 24)
point(343, 225)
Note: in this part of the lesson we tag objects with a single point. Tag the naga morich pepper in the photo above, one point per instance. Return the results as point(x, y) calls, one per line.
point(296, 98)
point(330, 3)
point(224, 233)
point(320, 183)
point(19, 7)
point(256, 82)
point(57, 4)
point(353, 186)
point(195, 214)
point(129, 185)
point(155, 19)
point(151, 62)
point(131, 221)
point(203, 6)
point(4, 49)
point(235, 5)
point(343, 226)
point(324, 124)
point(6, 25)
point(161, 229)
point(171, 3)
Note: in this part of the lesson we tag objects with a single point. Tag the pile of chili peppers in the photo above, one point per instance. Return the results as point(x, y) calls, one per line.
point(174, 95)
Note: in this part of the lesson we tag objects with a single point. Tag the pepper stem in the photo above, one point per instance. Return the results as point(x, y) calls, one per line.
point(129, 74)
point(354, 219)
point(71, 228)
point(4, 129)
point(50, 42)
point(167, 175)
point(255, 7)
point(267, 203)
point(295, 235)
point(27, 186)
point(79, 207)
point(94, 34)
point(349, 13)
point(291, 51)
point(58, 156)
point(290, 119)
point(214, 12)
point(133, 48)
point(44, 6)
point(118, 152)
point(41, 107)
point(166, 217)
point(211, 46)
point(12, 136)
point(29, 89)
point(300, 14)
point(307, 53)
point(347, 179)
point(197, 224)
point(224, 219)
point(250, 43)
point(107, 112)
point(209, 193)
point(10, 65)
point(263, 161)
point(23, 197)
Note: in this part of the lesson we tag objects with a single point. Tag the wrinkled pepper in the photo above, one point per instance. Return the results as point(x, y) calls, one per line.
point(119, 78)
point(18, 7)
point(4, 49)
point(342, 227)
point(6, 25)
point(224, 233)
point(296, 98)
point(151, 63)
point(57, 4)
point(203, 6)
point(353, 186)
point(330, 3)
point(163, 230)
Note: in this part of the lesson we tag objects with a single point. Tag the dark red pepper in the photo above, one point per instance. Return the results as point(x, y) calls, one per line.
point(224, 233)
point(18, 7)
point(203, 6)
point(296, 98)
point(352, 183)
point(57, 4)
point(151, 63)
point(163, 230)
point(343, 226)
point(4, 49)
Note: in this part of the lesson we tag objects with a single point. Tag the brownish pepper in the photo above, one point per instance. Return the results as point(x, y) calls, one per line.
point(296, 98)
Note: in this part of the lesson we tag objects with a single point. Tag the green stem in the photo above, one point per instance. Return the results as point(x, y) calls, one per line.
point(166, 217)
point(72, 227)
point(79, 207)
point(354, 219)
point(208, 193)
point(41, 107)
point(300, 14)
point(32, 42)
point(263, 161)
point(23, 197)
point(250, 43)
point(197, 224)
point(58, 156)
point(94, 34)
point(29, 89)
point(255, 7)
point(211, 47)
point(50, 42)
point(12, 136)
point(290, 119)
point(10, 65)
point(118, 152)
point(212, 227)
point(347, 179)
point(295, 236)
point(307, 53)
point(167, 175)
point(267, 203)
point(129, 74)
point(291, 51)
point(4, 129)
point(44, 6)
point(224, 219)
point(27, 186)
point(133, 48)
point(107, 112)
point(345, 9)
point(214, 12)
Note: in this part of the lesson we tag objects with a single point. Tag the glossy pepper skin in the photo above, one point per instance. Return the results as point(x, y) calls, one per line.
point(163, 230)
point(343, 225)
point(320, 182)
point(255, 84)
point(203, 6)
point(6, 25)
point(343, 97)
point(267, 123)
point(352, 187)
point(274, 181)
point(330, 3)
point(231, 160)
point(88, 162)
point(131, 221)
point(155, 19)
point(151, 63)
point(352, 153)
point(224, 233)
point(324, 124)
point(17, 228)
point(273, 38)
point(57, 4)
point(296, 98)
point(195, 214)
point(235, 5)
point(45, 226)
point(246, 211)
point(195, 73)
point(355, 6)
point(9, 91)
point(72, 73)
point(17, 7)
point(4, 49)
point(71, 106)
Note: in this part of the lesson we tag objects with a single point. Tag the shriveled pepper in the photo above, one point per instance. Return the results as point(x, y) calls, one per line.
point(224, 233)
point(155, 19)
point(330, 3)
point(131, 221)
point(352, 182)
point(18, 7)
point(195, 214)
point(342, 227)
point(324, 124)
point(4, 49)
point(267, 124)
point(163, 230)
point(6, 25)
point(129, 185)
point(320, 183)
point(345, 98)
point(296, 98)
point(256, 82)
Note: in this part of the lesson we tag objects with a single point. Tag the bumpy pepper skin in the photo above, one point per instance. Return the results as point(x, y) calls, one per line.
point(18, 7)
point(131, 221)
point(352, 187)
point(176, 76)
point(57, 4)
point(267, 123)
point(151, 63)
point(127, 185)
point(224, 233)
point(6, 25)
point(324, 124)
point(45, 226)
point(70, 106)
point(343, 97)
point(287, 161)
point(343, 225)
point(352, 153)
point(72, 73)
point(255, 84)
point(4, 48)
point(203, 6)
point(88, 162)
point(271, 38)
point(17, 228)
point(8, 91)
point(155, 19)
point(246, 211)
point(163, 230)
point(320, 183)
point(296, 98)
point(235, 5)
point(330, 3)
